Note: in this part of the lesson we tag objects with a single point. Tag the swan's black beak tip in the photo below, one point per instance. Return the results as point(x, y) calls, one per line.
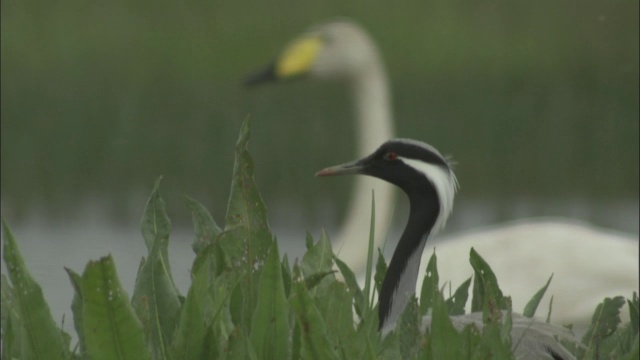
point(268, 74)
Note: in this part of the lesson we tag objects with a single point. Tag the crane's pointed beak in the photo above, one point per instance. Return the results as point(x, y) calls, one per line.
point(268, 74)
point(354, 167)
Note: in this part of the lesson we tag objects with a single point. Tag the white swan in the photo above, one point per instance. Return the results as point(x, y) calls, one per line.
point(343, 51)
point(588, 263)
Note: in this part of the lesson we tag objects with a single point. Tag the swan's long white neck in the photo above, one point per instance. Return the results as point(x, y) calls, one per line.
point(374, 125)
point(370, 90)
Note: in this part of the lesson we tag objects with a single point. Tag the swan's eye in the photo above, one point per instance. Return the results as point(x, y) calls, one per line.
point(391, 155)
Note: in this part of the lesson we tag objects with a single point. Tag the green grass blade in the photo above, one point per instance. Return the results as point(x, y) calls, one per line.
point(112, 331)
point(372, 227)
point(270, 331)
point(38, 334)
point(532, 305)
point(549, 311)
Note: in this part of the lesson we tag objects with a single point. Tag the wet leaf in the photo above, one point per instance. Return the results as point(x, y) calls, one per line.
point(32, 326)
point(111, 328)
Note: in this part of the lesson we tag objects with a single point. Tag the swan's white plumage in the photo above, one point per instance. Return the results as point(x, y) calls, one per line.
point(588, 264)
point(530, 339)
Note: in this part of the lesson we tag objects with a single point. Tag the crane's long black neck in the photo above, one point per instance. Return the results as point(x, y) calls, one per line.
point(400, 281)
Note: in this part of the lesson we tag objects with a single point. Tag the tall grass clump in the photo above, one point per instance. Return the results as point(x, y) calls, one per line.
point(247, 302)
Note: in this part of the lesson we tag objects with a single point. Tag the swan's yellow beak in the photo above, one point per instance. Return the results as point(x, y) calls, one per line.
point(298, 57)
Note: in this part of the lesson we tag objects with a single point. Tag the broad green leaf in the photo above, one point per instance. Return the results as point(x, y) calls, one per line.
point(458, 301)
point(316, 279)
point(207, 233)
point(634, 313)
point(493, 344)
point(604, 322)
point(445, 341)
point(216, 344)
point(111, 328)
point(389, 347)
point(429, 284)
point(270, 331)
point(205, 227)
point(155, 224)
point(313, 332)
point(360, 302)
point(11, 345)
point(487, 295)
point(617, 344)
point(408, 329)
point(296, 341)
point(213, 346)
point(318, 261)
point(495, 340)
point(532, 305)
point(247, 237)
point(505, 331)
point(286, 275)
point(155, 297)
point(368, 336)
point(36, 331)
point(308, 240)
point(196, 314)
point(470, 343)
point(76, 309)
point(634, 353)
point(335, 308)
point(240, 346)
point(156, 302)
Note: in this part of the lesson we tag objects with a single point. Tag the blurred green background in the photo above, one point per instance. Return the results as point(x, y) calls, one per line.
point(536, 101)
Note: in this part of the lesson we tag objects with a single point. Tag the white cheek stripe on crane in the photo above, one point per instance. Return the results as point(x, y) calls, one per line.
point(445, 183)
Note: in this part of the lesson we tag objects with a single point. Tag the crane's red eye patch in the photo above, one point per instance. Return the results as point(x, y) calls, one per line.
point(391, 155)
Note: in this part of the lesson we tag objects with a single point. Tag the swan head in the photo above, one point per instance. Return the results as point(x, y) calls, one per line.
point(335, 50)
